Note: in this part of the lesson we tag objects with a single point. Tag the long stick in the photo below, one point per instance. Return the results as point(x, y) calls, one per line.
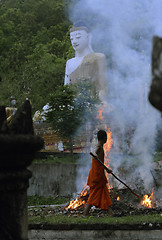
point(108, 170)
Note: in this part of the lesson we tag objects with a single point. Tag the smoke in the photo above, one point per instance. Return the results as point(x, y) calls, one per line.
point(123, 31)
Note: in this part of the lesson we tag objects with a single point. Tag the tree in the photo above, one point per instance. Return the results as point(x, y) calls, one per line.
point(34, 47)
point(70, 107)
point(42, 74)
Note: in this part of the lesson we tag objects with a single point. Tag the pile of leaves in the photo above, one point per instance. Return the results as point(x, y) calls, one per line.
point(128, 205)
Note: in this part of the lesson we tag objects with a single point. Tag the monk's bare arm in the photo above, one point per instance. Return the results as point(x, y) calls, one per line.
point(100, 152)
point(100, 155)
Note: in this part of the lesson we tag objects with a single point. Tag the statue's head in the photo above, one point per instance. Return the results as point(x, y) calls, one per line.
point(80, 37)
point(12, 101)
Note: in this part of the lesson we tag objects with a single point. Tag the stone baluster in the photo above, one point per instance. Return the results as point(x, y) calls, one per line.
point(18, 146)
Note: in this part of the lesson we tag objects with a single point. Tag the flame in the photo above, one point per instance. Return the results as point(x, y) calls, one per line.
point(108, 144)
point(118, 198)
point(79, 201)
point(100, 116)
point(107, 147)
point(148, 201)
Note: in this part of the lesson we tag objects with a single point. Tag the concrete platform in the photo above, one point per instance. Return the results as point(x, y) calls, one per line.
point(95, 231)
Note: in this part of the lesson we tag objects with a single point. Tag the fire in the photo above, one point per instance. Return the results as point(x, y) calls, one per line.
point(100, 116)
point(80, 200)
point(118, 198)
point(148, 201)
point(83, 195)
point(108, 144)
point(107, 147)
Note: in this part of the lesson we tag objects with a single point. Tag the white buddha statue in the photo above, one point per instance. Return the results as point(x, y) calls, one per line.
point(86, 65)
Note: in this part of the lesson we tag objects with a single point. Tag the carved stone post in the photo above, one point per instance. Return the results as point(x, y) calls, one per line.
point(17, 150)
point(155, 95)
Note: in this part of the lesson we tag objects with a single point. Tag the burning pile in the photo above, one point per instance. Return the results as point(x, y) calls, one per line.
point(80, 201)
point(82, 198)
point(118, 201)
point(148, 201)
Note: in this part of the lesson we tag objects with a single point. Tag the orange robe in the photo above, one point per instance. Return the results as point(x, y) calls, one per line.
point(99, 195)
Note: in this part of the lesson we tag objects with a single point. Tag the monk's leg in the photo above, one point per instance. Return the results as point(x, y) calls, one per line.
point(87, 209)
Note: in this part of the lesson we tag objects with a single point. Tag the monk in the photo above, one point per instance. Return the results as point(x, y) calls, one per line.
point(99, 195)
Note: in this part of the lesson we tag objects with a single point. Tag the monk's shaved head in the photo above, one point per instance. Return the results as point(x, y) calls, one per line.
point(101, 134)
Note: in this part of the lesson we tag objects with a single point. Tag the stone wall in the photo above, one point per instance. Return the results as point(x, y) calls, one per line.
point(52, 179)
point(60, 179)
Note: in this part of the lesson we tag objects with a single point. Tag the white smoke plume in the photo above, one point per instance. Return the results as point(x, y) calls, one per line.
point(123, 31)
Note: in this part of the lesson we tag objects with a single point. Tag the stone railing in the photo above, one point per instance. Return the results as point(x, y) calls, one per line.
point(18, 146)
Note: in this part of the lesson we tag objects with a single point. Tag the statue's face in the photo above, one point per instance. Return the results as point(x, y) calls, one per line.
point(13, 102)
point(79, 40)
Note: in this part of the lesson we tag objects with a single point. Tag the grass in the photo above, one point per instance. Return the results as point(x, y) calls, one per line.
point(67, 159)
point(72, 159)
point(58, 219)
point(156, 218)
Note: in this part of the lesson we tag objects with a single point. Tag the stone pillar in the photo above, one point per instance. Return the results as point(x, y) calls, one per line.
point(13, 204)
point(18, 146)
point(14, 181)
point(155, 94)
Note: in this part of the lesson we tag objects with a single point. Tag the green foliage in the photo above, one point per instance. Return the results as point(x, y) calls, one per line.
point(42, 74)
point(86, 100)
point(71, 106)
point(158, 156)
point(34, 46)
point(62, 110)
point(72, 159)
point(65, 159)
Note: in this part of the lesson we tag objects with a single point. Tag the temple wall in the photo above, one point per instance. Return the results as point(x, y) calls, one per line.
point(52, 179)
point(60, 179)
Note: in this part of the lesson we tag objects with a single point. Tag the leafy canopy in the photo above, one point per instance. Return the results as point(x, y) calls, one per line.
point(34, 48)
point(71, 106)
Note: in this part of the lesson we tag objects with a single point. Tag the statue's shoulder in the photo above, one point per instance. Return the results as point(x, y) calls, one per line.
point(97, 56)
point(71, 60)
